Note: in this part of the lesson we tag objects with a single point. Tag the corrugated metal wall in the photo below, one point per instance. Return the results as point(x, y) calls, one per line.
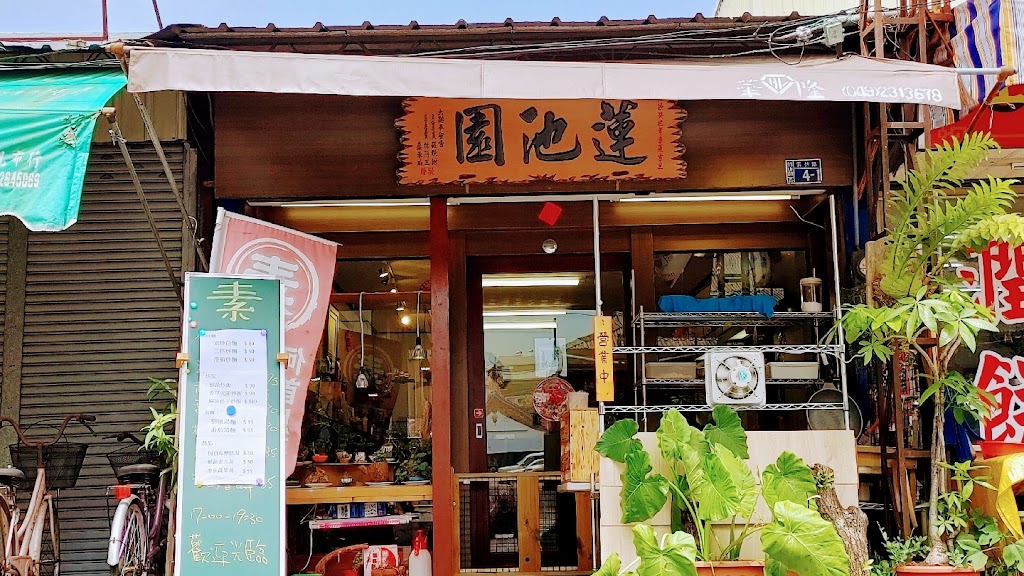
point(101, 317)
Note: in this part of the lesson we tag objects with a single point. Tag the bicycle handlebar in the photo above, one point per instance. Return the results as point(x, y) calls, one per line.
point(82, 418)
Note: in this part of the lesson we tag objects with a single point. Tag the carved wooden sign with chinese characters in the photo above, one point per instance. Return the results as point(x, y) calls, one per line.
point(449, 141)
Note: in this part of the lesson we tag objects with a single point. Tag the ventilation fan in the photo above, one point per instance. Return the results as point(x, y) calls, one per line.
point(735, 378)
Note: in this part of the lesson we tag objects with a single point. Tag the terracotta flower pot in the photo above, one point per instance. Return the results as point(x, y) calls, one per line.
point(948, 570)
point(319, 458)
point(731, 568)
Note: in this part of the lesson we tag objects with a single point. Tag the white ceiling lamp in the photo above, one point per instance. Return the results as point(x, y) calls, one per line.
point(529, 281)
point(418, 353)
point(520, 325)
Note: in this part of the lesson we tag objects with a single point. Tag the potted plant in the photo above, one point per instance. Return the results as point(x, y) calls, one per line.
point(413, 461)
point(707, 482)
point(975, 541)
point(920, 303)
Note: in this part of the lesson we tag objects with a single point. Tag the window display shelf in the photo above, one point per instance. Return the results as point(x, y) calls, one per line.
point(715, 319)
point(699, 383)
point(347, 494)
point(777, 348)
point(394, 520)
point(708, 408)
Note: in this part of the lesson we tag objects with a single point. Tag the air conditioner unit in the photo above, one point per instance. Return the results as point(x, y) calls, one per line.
point(734, 378)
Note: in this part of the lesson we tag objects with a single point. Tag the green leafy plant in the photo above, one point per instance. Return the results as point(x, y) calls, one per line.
point(708, 482)
point(937, 217)
point(413, 458)
point(899, 551)
point(160, 432)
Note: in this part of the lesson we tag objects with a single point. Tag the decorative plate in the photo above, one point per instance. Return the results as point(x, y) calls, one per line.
point(550, 398)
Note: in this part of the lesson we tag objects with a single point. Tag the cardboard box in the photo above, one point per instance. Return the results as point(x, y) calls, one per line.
point(380, 558)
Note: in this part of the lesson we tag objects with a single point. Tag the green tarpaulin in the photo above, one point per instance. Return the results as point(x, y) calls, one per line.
point(46, 124)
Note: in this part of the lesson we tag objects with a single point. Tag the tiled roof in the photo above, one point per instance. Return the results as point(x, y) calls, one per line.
point(417, 38)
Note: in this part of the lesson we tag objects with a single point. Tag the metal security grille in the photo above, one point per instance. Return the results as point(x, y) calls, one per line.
point(101, 318)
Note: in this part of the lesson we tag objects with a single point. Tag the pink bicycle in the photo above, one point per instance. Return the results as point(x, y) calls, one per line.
point(56, 467)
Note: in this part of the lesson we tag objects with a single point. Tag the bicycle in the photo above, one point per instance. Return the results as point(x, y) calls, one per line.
point(136, 529)
point(23, 533)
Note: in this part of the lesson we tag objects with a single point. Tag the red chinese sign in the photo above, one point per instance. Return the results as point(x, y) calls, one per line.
point(999, 279)
point(1003, 378)
point(451, 141)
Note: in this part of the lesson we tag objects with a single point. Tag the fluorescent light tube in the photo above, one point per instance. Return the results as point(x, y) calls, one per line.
point(710, 198)
point(520, 325)
point(515, 313)
point(354, 204)
point(527, 281)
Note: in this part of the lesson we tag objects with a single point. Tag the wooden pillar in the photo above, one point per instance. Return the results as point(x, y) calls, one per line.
point(459, 341)
point(440, 388)
point(641, 247)
point(14, 330)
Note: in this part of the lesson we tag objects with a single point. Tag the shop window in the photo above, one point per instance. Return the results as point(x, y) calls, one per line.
point(708, 274)
point(371, 390)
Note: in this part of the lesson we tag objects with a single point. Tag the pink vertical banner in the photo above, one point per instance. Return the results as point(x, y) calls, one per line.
point(305, 266)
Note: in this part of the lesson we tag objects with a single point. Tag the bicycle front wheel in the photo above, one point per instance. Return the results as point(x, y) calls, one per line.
point(133, 543)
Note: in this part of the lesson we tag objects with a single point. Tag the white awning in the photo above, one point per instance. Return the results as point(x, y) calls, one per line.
point(848, 79)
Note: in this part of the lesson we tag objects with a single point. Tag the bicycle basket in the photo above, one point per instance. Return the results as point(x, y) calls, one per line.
point(63, 463)
point(130, 455)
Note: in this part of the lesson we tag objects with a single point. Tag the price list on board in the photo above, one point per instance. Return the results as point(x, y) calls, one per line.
point(231, 431)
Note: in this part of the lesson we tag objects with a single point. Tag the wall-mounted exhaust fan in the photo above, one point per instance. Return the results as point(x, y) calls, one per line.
point(734, 378)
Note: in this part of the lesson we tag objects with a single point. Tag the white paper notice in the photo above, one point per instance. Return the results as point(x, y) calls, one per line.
point(231, 435)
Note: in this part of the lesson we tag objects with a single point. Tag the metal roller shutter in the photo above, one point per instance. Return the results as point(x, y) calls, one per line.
point(4, 222)
point(101, 317)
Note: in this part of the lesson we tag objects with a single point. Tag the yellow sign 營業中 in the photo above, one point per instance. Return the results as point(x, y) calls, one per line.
point(604, 370)
point(448, 141)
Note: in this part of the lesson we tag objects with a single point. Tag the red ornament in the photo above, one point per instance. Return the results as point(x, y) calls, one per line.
point(550, 213)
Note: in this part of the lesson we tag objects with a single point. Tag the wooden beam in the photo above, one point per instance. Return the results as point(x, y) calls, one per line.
point(641, 244)
point(318, 219)
point(440, 388)
point(370, 298)
point(528, 242)
point(380, 245)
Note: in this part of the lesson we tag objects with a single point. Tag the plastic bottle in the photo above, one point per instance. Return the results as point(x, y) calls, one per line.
point(419, 560)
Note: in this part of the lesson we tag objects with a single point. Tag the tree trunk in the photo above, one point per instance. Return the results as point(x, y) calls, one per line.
point(938, 554)
point(851, 524)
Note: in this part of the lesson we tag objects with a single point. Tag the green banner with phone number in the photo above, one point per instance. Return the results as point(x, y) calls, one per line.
point(46, 127)
point(230, 473)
